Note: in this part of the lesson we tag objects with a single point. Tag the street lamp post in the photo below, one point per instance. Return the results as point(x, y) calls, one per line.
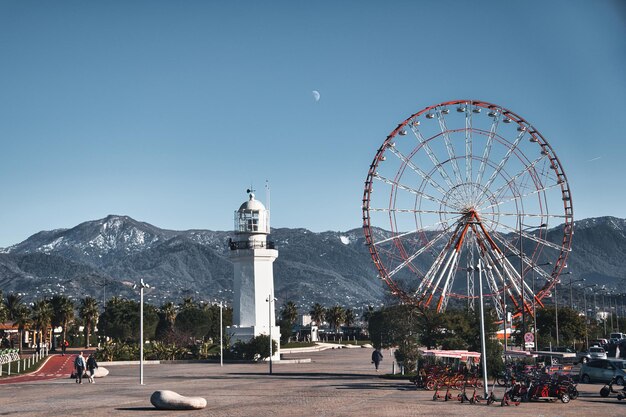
point(586, 317)
point(221, 336)
point(483, 346)
point(556, 311)
point(611, 311)
point(521, 273)
point(556, 303)
point(571, 299)
point(604, 312)
point(270, 300)
point(142, 285)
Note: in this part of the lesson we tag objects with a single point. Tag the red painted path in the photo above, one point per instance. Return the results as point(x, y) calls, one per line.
point(55, 367)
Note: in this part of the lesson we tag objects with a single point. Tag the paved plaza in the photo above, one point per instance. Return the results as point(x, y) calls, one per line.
point(337, 382)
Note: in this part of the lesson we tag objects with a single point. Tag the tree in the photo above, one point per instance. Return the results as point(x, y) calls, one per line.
point(335, 317)
point(194, 322)
point(4, 313)
point(289, 312)
point(258, 348)
point(571, 326)
point(41, 316)
point(318, 312)
point(169, 312)
point(349, 318)
point(120, 320)
point(62, 313)
point(17, 313)
point(89, 313)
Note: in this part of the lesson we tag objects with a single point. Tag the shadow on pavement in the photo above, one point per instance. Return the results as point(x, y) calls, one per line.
point(307, 375)
point(139, 409)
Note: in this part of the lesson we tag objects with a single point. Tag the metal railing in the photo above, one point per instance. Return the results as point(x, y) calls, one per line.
point(250, 245)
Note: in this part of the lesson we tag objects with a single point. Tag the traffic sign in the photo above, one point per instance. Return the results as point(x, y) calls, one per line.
point(529, 344)
point(529, 337)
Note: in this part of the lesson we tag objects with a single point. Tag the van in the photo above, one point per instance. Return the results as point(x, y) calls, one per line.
point(617, 337)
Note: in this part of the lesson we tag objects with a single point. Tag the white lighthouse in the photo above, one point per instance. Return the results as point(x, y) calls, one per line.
point(253, 256)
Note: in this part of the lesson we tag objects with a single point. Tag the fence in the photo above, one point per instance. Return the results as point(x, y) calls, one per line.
point(12, 359)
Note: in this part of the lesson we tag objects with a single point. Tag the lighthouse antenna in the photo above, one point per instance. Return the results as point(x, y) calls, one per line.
point(267, 194)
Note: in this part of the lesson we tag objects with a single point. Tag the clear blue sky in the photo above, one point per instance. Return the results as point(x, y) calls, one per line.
point(166, 111)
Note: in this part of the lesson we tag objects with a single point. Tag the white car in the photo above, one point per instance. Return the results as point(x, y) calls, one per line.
point(594, 352)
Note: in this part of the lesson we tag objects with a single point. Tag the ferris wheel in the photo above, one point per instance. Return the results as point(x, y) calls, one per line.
point(461, 184)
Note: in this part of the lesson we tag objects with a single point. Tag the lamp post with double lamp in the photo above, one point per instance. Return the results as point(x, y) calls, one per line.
point(603, 310)
point(270, 300)
point(571, 299)
point(586, 317)
point(142, 285)
point(556, 304)
point(221, 304)
point(521, 271)
point(535, 303)
point(483, 345)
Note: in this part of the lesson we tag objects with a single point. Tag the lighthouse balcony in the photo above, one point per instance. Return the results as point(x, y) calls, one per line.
point(250, 245)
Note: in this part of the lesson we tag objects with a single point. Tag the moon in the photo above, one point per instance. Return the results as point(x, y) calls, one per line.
point(316, 95)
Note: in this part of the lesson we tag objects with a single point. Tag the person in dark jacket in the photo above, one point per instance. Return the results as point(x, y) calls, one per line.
point(377, 356)
point(92, 365)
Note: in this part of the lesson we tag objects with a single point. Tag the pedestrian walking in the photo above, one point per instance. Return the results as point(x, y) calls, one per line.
point(377, 357)
point(64, 346)
point(92, 365)
point(79, 366)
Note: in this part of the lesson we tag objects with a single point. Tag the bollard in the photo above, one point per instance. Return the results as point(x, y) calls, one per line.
point(393, 368)
point(0, 369)
point(402, 369)
point(18, 366)
point(9, 369)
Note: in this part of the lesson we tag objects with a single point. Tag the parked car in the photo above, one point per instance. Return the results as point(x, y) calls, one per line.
point(561, 349)
point(594, 352)
point(599, 342)
point(602, 370)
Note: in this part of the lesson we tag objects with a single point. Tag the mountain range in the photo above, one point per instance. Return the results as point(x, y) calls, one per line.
point(104, 258)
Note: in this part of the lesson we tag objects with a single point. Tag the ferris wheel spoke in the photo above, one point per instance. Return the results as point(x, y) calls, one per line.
point(532, 237)
point(417, 170)
point(427, 282)
point(409, 189)
point(527, 169)
point(519, 197)
point(449, 147)
point(487, 151)
point(418, 253)
point(528, 261)
point(415, 211)
point(449, 281)
point(432, 156)
point(505, 159)
point(468, 149)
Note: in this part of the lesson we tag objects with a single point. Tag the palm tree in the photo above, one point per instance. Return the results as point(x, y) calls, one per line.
point(335, 316)
point(41, 316)
point(187, 303)
point(367, 313)
point(317, 314)
point(289, 312)
point(23, 322)
point(4, 314)
point(89, 313)
point(349, 317)
point(17, 313)
point(169, 313)
point(63, 313)
point(12, 305)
